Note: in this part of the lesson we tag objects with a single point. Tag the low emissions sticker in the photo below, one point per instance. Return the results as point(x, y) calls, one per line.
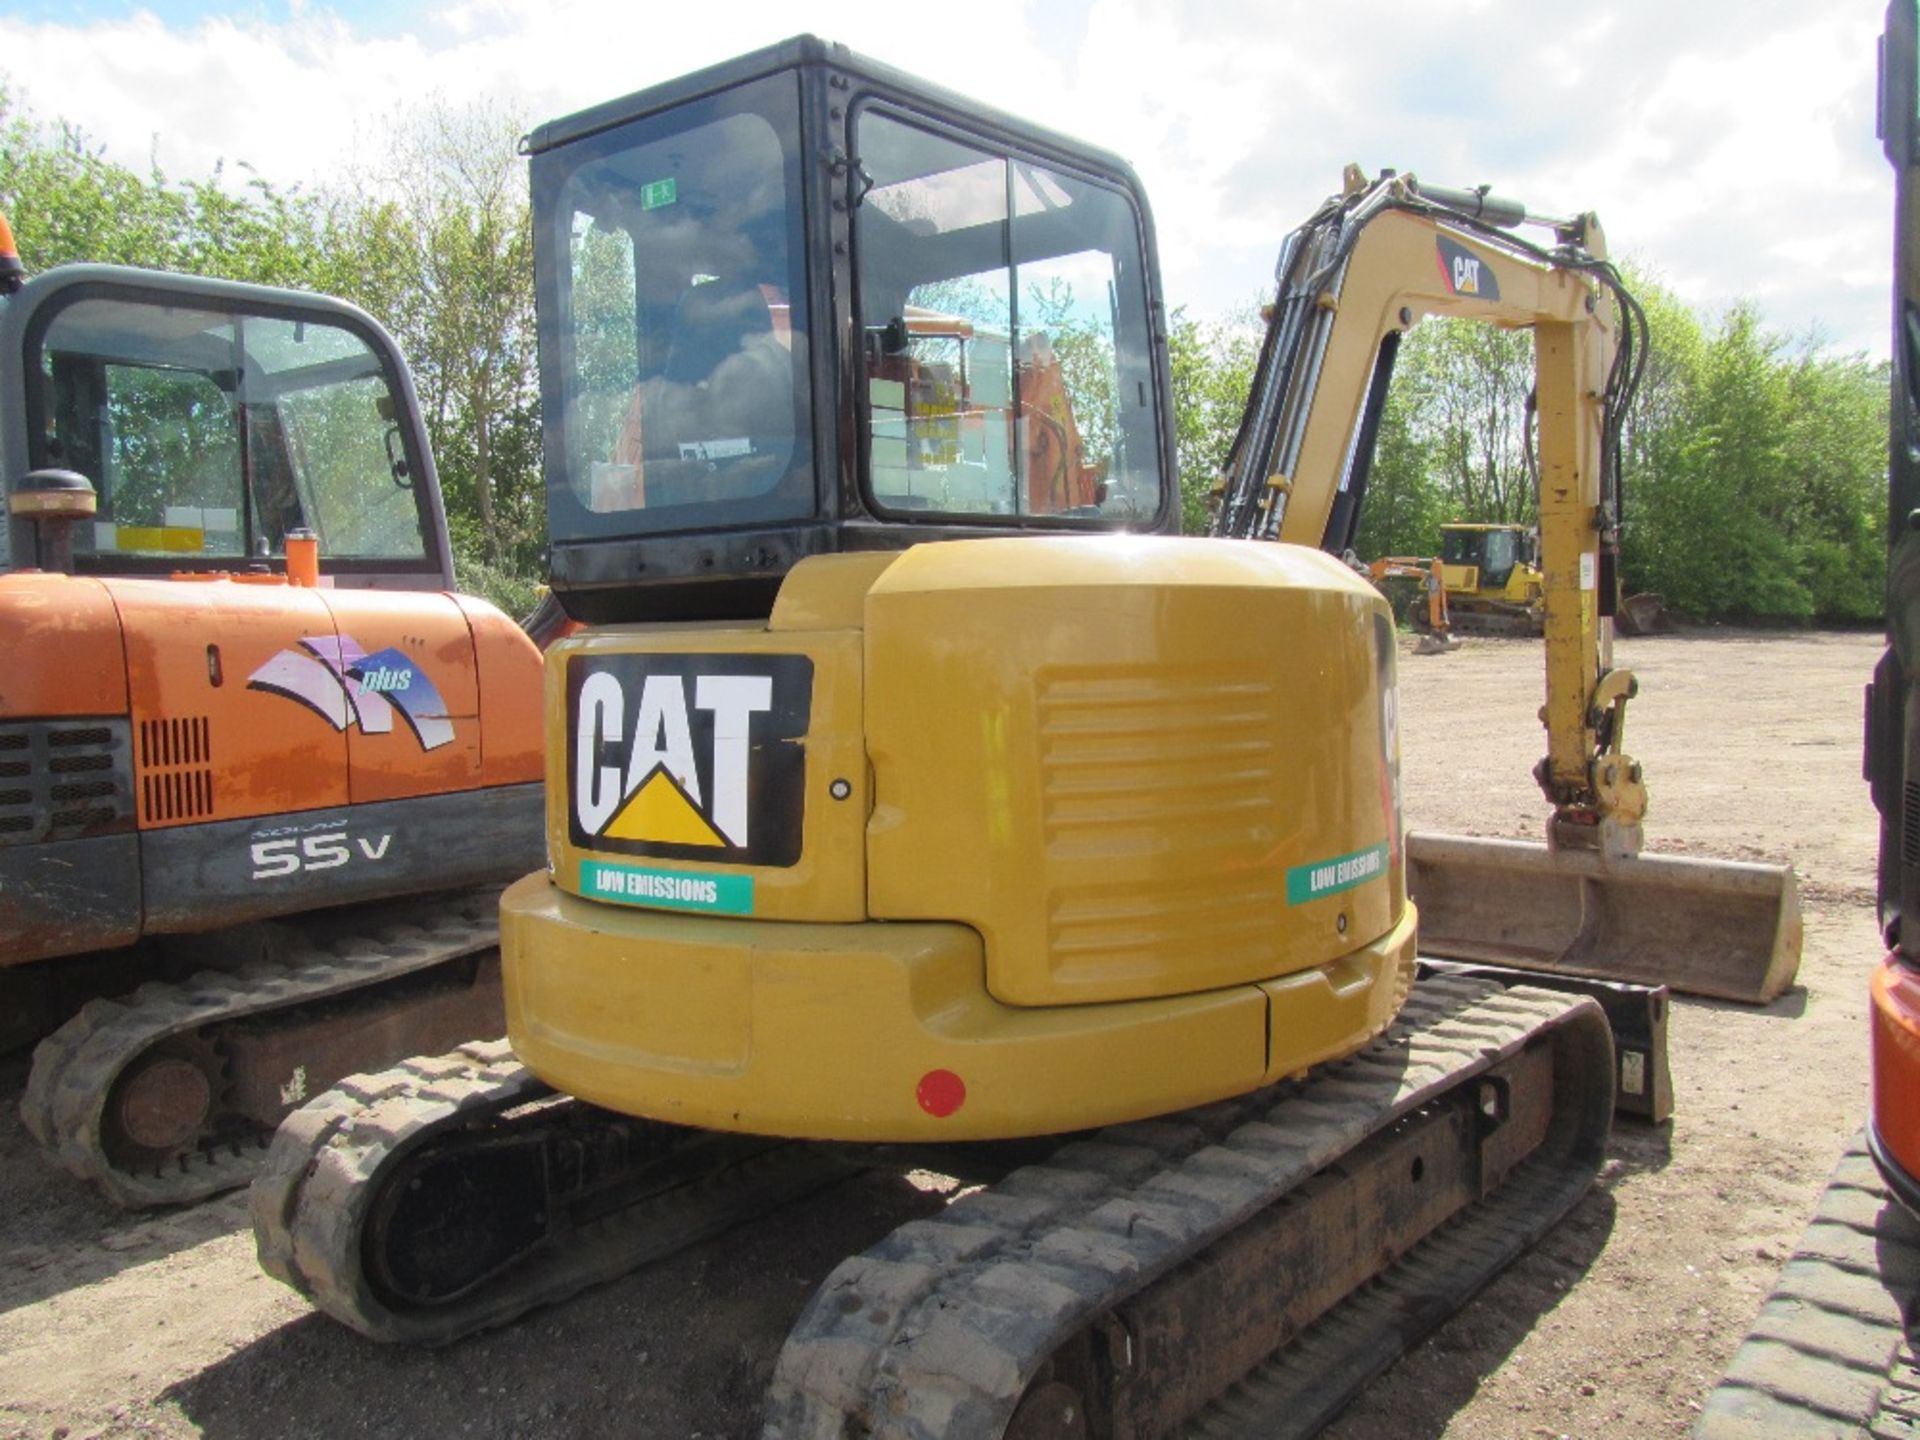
point(673, 889)
point(1330, 877)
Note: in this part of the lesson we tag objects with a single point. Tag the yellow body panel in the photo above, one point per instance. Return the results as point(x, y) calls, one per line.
point(871, 1032)
point(1108, 757)
point(1089, 829)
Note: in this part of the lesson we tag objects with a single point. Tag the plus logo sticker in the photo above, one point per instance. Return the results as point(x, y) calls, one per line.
point(689, 756)
point(342, 684)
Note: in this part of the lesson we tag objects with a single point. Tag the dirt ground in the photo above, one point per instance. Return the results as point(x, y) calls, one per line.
point(1617, 1324)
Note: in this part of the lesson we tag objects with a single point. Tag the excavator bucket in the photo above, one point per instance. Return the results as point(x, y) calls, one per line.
point(1721, 928)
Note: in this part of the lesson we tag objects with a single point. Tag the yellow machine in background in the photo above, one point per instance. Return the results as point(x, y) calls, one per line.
point(1494, 586)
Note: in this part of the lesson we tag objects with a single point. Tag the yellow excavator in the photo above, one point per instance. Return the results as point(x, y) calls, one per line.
point(902, 811)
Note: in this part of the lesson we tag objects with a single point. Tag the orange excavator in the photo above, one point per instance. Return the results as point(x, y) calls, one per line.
point(1431, 614)
point(240, 688)
point(1893, 743)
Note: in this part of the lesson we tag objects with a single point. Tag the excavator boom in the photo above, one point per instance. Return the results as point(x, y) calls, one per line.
point(1369, 265)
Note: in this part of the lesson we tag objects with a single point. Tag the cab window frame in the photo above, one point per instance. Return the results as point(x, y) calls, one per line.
point(796, 498)
point(1149, 359)
point(431, 561)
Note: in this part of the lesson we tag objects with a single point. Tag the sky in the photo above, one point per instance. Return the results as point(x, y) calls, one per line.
point(1727, 145)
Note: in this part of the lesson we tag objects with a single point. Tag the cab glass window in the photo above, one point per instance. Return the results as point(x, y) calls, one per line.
point(1460, 547)
point(678, 317)
point(1006, 359)
point(209, 434)
point(1501, 554)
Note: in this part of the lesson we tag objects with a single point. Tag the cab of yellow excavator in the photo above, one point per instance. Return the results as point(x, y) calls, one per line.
point(802, 303)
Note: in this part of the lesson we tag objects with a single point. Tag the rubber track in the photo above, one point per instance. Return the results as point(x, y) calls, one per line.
point(937, 1330)
point(321, 1179)
point(75, 1067)
point(1295, 1393)
point(1829, 1354)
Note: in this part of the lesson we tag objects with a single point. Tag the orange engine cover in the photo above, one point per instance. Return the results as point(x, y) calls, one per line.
point(181, 754)
point(1896, 1069)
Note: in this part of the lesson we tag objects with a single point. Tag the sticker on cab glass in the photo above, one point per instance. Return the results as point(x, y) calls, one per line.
point(688, 757)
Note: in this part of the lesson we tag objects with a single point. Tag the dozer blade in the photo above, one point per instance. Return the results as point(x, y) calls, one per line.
point(1723, 928)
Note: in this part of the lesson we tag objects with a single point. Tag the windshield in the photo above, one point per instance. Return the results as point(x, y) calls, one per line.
point(1006, 347)
point(209, 434)
point(1461, 547)
point(680, 320)
point(1502, 552)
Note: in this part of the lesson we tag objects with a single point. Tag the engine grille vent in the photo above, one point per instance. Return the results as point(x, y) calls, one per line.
point(176, 770)
point(1910, 817)
point(1177, 762)
point(64, 780)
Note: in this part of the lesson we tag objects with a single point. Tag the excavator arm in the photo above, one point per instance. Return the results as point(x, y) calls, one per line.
point(1369, 264)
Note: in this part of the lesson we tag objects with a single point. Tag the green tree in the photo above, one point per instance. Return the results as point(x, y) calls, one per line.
point(1405, 503)
point(458, 258)
point(1835, 429)
point(1468, 385)
point(1213, 364)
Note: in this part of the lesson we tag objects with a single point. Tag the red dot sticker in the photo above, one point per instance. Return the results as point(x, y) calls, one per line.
point(940, 1093)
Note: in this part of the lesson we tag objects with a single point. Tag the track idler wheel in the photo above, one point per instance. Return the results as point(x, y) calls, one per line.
point(162, 1106)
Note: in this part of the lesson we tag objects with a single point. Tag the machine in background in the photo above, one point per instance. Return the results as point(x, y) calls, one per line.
point(240, 692)
point(1893, 706)
point(1493, 578)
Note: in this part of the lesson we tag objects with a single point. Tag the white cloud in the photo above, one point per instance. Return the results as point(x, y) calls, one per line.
point(1727, 145)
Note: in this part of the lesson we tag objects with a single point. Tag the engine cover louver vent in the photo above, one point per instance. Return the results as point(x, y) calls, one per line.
point(176, 770)
point(64, 779)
